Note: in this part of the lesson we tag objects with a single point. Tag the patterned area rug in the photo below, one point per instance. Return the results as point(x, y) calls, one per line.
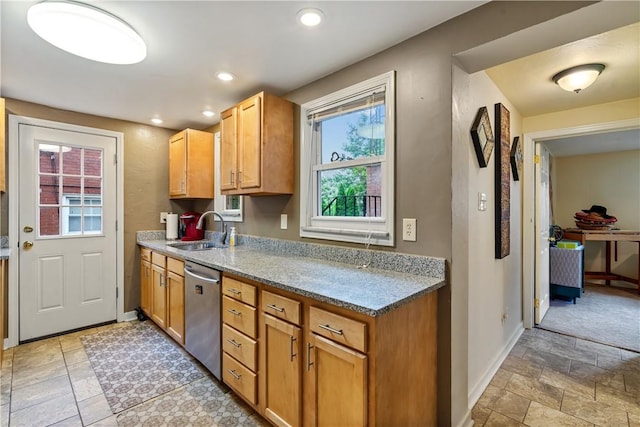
point(603, 314)
point(137, 363)
point(201, 403)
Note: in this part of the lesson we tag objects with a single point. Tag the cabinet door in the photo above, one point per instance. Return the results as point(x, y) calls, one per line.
point(250, 143)
point(178, 165)
point(338, 382)
point(228, 149)
point(145, 286)
point(282, 370)
point(158, 295)
point(175, 306)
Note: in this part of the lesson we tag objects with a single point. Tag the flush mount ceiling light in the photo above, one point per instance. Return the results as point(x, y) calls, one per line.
point(225, 76)
point(575, 79)
point(87, 31)
point(156, 121)
point(208, 113)
point(310, 17)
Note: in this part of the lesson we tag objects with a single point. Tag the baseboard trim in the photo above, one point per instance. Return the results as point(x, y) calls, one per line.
point(481, 385)
point(466, 421)
point(129, 316)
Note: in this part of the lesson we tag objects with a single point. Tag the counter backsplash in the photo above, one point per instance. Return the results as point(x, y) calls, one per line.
point(384, 260)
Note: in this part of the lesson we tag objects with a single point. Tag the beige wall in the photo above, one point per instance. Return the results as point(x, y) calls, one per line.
point(145, 179)
point(607, 179)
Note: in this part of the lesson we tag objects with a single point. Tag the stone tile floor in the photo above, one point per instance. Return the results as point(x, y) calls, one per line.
point(550, 379)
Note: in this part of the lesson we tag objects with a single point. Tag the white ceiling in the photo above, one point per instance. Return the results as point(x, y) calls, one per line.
point(189, 41)
point(263, 45)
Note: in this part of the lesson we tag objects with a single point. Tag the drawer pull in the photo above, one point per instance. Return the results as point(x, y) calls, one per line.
point(235, 343)
point(234, 312)
point(276, 308)
point(234, 373)
point(330, 329)
point(234, 291)
point(291, 353)
point(309, 362)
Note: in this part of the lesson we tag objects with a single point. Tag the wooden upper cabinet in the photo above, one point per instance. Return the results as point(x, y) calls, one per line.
point(256, 154)
point(3, 181)
point(191, 165)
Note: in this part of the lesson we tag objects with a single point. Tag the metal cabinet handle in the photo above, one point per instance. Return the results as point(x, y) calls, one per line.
point(231, 177)
point(235, 375)
point(234, 291)
point(235, 343)
point(239, 177)
point(330, 329)
point(162, 281)
point(275, 307)
point(234, 312)
point(309, 362)
point(291, 353)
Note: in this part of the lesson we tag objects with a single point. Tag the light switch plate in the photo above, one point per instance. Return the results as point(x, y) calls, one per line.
point(283, 221)
point(163, 217)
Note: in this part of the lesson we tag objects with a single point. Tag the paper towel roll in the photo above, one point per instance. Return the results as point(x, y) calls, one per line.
point(172, 226)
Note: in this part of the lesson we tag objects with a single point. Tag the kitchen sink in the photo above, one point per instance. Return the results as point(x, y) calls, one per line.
point(198, 246)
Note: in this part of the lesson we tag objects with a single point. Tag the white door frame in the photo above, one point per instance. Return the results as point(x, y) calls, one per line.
point(529, 205)
point(14, 199)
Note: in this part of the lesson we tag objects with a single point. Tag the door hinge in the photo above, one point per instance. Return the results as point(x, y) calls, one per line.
point(116, 225)
point(115, 159)
point(117, 293)
point(536, 159)
point(536, 303)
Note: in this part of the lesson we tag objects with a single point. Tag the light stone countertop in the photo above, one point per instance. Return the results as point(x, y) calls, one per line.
point(371, 291)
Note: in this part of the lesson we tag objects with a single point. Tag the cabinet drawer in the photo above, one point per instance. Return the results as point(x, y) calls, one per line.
point(239, 290)
point(239, 315)
point(158, 259)
point(339, 328)
point(282, 307)
point(241, 347)
point(175, 265)
point(239, 378)
point(145, 254)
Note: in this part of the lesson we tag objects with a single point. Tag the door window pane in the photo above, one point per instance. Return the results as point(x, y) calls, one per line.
point(92, 162)
point(49, 221)
point(71, 160)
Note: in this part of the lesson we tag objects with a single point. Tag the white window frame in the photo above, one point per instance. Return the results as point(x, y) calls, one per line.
point(65, 214)
point(365, 230)
point(220, 200)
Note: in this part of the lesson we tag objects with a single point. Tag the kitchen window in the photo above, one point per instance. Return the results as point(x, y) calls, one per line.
point(347, 164)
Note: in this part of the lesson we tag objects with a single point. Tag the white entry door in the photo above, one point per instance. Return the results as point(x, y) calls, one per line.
point(543, 223)
point(67, 221)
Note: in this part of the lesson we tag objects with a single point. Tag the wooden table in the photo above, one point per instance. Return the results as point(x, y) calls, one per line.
point(607, 236)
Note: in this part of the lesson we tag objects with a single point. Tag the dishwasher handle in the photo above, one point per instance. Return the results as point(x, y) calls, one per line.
point(203, 278)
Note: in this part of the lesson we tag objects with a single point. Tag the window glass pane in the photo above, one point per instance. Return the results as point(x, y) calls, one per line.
point(75, 225)
point(92, 162)
point(93, 188)
point(353, 135)
point(71, 187)
point(93, 220)
point(232, 202)
point(49, 221)
point(49, 158)
point(49, 189)
point(71, 160)
point(353, 192)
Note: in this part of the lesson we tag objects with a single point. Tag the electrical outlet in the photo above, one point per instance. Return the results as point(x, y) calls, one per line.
point(409, 229)
point(163, 217)
point(283, 221)
point(482, 201)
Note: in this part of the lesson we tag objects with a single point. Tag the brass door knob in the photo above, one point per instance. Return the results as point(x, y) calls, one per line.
point(27, 244)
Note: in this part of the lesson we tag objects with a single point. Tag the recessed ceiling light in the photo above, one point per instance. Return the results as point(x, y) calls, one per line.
point(86, 31)
point(156, 121)
point(310, 17)
point(208, 113)
point(225, 76)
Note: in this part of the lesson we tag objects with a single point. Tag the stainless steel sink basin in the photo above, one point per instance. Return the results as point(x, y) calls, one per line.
point(198, 246)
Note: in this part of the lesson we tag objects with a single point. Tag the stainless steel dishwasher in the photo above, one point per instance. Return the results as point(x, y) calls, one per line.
point(202, 306)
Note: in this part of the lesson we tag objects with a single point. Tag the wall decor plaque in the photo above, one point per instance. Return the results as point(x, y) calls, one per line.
point(516, 158)
point(502, 181)
point(482, 137)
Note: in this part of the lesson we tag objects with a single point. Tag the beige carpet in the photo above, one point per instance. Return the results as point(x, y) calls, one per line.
point(603, 314)
point(137, 363)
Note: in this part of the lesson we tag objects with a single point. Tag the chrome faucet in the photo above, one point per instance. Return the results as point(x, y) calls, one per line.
point(224, 226)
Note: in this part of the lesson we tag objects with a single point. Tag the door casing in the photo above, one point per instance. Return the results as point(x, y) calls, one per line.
point(13, 191)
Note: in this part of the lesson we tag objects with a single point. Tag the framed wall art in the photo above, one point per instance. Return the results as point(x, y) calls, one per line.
point(516, 158)
point(502, 182)
point(482, 137)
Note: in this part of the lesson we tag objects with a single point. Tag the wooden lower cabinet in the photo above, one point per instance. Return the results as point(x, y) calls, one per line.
point(162, 292)
point(323, 365)
point(338, 384)
point(282, 376)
